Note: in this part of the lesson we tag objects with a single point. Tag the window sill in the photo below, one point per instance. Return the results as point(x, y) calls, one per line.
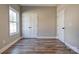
point(13, 34)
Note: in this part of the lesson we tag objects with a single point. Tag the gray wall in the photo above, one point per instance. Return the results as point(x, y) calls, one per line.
point(4, 25)
point(71, 22)
point(72, 25)
point(46, 20)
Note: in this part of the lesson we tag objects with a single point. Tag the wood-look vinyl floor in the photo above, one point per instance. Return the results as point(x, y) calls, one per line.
point(39, 46)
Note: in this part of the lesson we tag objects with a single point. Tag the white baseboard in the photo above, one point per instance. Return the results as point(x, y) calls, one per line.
point(70, 46)
point(73, 48)
point(47, 37)
point(61, 40)
point(9, 45)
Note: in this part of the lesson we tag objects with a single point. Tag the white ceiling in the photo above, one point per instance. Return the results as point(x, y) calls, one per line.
point(38, 4)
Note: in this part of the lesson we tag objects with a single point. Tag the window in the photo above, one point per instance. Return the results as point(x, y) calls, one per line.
point(13, 21)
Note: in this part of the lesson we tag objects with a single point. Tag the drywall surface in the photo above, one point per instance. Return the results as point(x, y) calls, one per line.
point(46, 20)
point(5, 37)
point(71, 23)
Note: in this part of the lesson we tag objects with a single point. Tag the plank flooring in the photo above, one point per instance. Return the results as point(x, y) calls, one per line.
point(39, 46)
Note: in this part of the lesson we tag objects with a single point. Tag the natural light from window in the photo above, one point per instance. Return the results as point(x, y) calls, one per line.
point(13, 21)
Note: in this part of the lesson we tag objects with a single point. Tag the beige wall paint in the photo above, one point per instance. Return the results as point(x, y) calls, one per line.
point(46, 20)
point(4, 25)
point(71, 22)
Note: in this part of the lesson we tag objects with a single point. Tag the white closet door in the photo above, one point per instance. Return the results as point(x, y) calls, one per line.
point(29, 25)
point(60, 25)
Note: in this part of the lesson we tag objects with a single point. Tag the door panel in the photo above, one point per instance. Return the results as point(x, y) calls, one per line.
point(60, 25)
point(29, 24)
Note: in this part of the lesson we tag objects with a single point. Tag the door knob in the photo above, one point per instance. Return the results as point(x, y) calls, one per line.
point(29, 27)
point(63, 28)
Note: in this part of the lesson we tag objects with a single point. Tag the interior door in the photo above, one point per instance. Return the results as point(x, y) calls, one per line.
point(29, 25)
point(60, 25)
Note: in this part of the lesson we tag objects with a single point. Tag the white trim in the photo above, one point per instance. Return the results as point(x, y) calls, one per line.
point(72, 47)
point(57, 37)
point(9, 45)
point(43, 37)
point(17, 21)
point(61, 40)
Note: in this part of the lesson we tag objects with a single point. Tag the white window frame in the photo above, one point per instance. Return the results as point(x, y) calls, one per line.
point(17, 21)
